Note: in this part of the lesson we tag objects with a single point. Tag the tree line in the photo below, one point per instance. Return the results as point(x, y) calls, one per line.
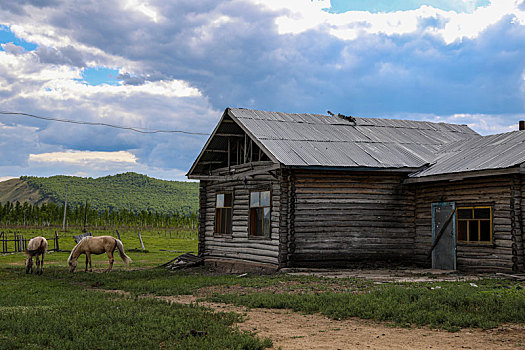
point(51, 214)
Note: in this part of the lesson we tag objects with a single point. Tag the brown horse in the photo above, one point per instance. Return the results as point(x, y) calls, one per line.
point(97, 245)
point(37, 246)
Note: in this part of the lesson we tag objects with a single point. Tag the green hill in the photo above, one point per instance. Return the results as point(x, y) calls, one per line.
point(128, 191)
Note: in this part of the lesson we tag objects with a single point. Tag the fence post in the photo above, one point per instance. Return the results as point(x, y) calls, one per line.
point(141, 244)
point(57, 248)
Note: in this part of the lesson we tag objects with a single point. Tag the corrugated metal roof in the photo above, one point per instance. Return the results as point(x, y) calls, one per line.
point(498, 151)
point(319, 140)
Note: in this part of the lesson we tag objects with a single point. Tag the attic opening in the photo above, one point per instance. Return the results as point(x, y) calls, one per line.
point(229, 146)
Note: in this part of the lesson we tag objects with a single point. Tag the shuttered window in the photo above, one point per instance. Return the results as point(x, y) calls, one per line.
point(474, 224)
point(223, 213)
point(260, 202)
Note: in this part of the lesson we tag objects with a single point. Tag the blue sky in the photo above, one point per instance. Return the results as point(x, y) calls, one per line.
point(99, 75)
point(178, 65)
point(340, 6)
point(7, 36)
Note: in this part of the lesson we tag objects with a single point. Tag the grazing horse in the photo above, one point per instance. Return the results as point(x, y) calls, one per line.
point(97, 245)
point(37, 246)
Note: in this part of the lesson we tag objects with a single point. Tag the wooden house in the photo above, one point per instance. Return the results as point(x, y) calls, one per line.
point(307, 190)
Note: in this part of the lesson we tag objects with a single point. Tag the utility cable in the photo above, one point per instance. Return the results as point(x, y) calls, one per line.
point(140, 130)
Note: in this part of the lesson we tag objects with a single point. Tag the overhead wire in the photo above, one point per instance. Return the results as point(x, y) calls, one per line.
point(135, 129)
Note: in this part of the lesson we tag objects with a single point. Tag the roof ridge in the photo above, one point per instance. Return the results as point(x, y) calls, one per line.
point(361, 118)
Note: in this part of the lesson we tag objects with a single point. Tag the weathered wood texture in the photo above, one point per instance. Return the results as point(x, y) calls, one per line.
point(239, 245)
point(504, 194)
point(202, 216)
point(342, 217)
point(286, 180)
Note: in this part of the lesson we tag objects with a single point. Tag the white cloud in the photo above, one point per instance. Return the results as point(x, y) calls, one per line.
point(485, 124)
point(183, 62)
point(144, 8)
point(95, 159)
point(298, 16)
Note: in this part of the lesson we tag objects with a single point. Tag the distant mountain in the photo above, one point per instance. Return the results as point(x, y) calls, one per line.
point(129, 191)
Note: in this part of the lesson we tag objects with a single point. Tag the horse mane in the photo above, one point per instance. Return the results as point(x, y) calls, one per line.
point(79, 244)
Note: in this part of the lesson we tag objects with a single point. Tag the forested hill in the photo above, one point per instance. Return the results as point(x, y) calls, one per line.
point(128, 191)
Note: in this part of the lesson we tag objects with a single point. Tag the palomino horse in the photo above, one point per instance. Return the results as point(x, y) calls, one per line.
point(37, 246)
point(97, 245)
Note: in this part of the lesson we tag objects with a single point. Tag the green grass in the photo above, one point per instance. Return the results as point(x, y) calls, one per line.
point(161, 246)
point(453, 306)
point(38, 312)
point(447, 305)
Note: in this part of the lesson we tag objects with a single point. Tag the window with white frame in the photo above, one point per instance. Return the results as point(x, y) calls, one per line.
point(260, 204)
point(223, 213)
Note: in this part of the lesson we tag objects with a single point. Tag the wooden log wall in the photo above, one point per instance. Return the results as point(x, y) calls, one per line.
point(341, 217)
point(203, 186)
point(504, 194)
point(287, 199)
point(239, 245)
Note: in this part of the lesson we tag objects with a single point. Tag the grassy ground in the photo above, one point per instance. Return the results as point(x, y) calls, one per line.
point(160, 245)
point(60, 310)
point(452, 305)
point(53, 312)
point(41, 310)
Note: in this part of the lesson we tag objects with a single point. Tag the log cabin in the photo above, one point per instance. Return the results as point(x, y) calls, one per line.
point(283, 190)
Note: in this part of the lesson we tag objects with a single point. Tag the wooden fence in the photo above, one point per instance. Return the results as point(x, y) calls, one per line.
point(19, 243)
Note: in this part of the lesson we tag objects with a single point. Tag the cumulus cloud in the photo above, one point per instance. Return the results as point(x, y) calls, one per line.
point(62, 56)
point(181, 63)
point(84, 157)
point(127, 79)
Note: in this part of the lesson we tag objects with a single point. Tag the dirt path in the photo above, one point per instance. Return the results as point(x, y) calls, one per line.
point(290, 330)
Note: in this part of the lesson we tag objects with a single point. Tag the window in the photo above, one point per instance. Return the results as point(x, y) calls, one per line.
point(474, 224)
point(223, 214)
point(260, 213)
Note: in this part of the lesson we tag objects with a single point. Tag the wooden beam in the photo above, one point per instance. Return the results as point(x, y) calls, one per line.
point(463, 175)
point(238, 176)
point(229, 135)
point(245, 137)
point(211, 162)
point(229, 151)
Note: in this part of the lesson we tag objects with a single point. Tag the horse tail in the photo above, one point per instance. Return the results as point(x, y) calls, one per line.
point(127, 260)
point(42, 248)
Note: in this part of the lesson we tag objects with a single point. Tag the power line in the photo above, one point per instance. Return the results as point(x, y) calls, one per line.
point(140, 130)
